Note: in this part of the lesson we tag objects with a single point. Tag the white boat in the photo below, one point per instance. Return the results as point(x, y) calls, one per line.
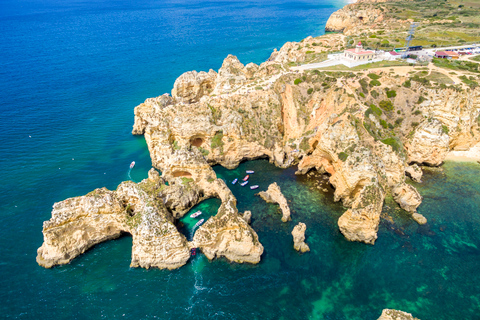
point(250, 171)
point(243, 184)
point(132, 164)
point(234, 181)
point(198, 223)
point(196, 214)
point(254, 187)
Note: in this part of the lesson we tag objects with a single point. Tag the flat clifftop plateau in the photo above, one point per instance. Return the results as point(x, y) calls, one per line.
point(366, 131)
point(384, 24)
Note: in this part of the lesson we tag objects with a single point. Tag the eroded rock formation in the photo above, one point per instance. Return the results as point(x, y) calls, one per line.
point(391, 314)
point(363, 137)
point(79, 223)
point(298, 234)
point(275, 195)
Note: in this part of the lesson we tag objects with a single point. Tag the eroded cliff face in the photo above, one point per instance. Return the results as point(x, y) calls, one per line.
point(365, 137)
point(352, 18)
point(365, 143)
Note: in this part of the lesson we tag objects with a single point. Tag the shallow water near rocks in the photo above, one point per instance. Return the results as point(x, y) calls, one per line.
point(71, 74)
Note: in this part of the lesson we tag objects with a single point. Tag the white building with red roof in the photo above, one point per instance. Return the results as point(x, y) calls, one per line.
point(358, 54)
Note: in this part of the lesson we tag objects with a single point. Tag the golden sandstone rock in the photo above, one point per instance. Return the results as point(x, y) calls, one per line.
point(363, 140)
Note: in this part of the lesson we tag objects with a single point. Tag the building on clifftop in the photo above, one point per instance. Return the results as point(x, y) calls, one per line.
point(358, 54)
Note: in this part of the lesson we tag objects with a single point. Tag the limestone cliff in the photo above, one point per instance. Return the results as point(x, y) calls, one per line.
point(318, 122)
point(275, 195)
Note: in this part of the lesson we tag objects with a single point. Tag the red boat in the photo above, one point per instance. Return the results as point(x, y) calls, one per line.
point(194, 251)
point(246, 177)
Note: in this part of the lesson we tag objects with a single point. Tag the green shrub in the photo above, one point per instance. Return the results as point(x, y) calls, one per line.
point(297, 81)
point(364, 85)
point(342, 156)
point(383, 123)
point(386, 105)
point(421, 80)
point(444, 129)
point(309, 52)
point(394, 143)
point(217, 140)
point(420, 99)
point(310, 90)
point(407, 84)
point(304, 145)
point(186, 181)
point(391, 93)
point(372, 36)
point(373, 76)
point(205, 152)
point(361, 94)
point(374, 94)
point(398, 121)
point(415, 124)
point(417, 112)
point(175, 145)
point(376, 110)
point(375, 83)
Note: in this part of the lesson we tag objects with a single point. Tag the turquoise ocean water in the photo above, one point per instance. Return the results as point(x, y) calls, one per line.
point(71, 73)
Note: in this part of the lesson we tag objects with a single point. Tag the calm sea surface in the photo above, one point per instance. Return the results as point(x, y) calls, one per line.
point(71, 73)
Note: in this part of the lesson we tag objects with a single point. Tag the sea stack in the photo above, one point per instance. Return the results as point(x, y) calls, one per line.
point(298, 234)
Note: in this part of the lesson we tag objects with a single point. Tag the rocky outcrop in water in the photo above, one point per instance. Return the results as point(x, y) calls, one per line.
point(391, 314)
point(79, 223)
point(275, 195)
point(414, 172)
point(298, 234)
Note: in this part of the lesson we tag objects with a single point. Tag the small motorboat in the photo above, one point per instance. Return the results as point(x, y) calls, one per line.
point(250, 171)
point(243, 184)
point(234, 181)
point(196, 214)
point(194, 251)
point(246, 177)
point(198, 223)
point(254, 187)
point(132, 164)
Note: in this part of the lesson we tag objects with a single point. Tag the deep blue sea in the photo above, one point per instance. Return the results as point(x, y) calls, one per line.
point(71, 73)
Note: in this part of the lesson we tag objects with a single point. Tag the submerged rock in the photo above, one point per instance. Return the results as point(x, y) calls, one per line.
point(391, 314)
point(275, 195)
point(298, 234)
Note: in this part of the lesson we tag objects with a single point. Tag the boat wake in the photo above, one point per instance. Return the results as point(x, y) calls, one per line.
point(129, 176)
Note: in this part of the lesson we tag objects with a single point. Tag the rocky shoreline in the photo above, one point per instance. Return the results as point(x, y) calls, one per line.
point(365, 135)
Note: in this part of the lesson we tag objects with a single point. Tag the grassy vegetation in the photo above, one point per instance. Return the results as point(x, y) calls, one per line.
point(217, 140)
point(443, 23)
point(463, 65)
point(439, 77)
point(469, 81)
point(476, 58)
point(372, 65)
